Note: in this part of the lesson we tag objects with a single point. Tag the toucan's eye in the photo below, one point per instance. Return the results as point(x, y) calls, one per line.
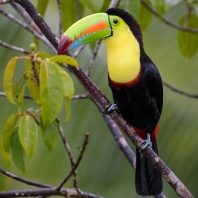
point(115, 21)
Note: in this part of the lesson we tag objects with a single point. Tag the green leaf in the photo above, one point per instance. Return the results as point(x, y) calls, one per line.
point(41, 7)
point(4, 155)
point(28, 134)
point(28, 65)
point(132, 7)
point(17, 151)
point(188, 41)
point(105, 5)
point(93, 5)
point(145, 16)
point(51, 91)
point(69, 13)
point(43, 55)
point(7, 131)
point(92, 46)
point(8, 79)
point(68, 85)
point(16, 87)
point(67, 106)
point(64, 59)
point(21, 99)
point(34, 90)
point(50, 134)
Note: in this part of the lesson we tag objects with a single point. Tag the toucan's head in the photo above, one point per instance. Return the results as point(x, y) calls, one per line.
point(99, 26)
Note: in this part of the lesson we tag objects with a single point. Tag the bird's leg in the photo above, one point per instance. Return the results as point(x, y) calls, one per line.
point(113, 107)
point(146, 142)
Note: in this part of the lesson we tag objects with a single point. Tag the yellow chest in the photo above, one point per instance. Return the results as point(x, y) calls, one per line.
point(123, 56)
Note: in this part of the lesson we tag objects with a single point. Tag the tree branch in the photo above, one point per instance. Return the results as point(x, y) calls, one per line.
point(65, 192)
point(174, 25)
point(28, 182)
point(171, 178)
point(77, 52)
point(195, 96)
point(95, 52)
point(25, 26)
point(82, 150)
point(70, 154)
point(26, 17)
point(15, 48)
point(114, 3)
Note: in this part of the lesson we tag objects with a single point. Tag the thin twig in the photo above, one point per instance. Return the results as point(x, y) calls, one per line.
point(77, 52)
point(195, 96)
point(78, 9)
point(60, 18)
point(15, 48)
point(28, 182)
point(114, 3)
point(22, 24)
point(95, 52)
point(70, 154)
point(25, 96)
point(26, 17)
point(174, 25)
point(77, 162)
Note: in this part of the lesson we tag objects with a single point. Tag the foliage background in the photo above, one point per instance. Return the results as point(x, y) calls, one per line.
point(104, 170)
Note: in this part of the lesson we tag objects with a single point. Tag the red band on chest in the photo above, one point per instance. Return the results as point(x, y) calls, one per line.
point(118, 85)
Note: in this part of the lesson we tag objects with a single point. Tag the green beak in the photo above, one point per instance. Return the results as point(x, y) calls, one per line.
point(91, 28)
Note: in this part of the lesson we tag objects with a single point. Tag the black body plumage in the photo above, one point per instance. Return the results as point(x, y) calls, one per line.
point(141, 105)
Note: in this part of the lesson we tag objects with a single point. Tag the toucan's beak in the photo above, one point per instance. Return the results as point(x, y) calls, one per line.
point(91, 28)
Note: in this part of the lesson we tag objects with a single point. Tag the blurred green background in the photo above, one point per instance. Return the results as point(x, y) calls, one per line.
point(104, 169)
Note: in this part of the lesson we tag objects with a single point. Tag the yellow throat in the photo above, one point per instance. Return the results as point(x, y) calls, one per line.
point(123, 56)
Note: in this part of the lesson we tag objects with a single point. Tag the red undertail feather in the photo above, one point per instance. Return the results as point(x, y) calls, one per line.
point(143, 135)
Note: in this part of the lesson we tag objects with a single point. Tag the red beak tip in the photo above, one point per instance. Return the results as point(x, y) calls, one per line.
point(63, 45)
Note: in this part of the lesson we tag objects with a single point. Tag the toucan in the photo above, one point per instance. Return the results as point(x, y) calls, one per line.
point(134, 80)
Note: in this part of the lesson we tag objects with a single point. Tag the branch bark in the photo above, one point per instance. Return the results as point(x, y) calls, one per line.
point(47, 192)
point(15, 48)
point(171, 178)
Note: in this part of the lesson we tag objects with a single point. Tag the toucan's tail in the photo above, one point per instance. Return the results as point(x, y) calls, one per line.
point(148, 180)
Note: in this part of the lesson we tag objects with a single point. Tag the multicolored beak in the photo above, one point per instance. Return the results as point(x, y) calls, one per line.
point(91, 28)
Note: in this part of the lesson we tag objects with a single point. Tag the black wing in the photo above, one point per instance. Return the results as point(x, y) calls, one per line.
point(154, 85)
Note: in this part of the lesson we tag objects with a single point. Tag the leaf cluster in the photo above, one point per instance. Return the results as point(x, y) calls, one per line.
point(49, 86)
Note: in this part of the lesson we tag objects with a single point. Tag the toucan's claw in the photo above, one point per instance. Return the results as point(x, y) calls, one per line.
point(113, 107)
point(146, 143)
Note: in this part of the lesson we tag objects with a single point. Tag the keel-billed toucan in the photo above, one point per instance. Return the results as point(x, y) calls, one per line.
point(133, 78)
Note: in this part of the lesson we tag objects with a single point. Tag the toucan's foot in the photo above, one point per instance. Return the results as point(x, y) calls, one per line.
point(146, 143)
point(113, 107)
